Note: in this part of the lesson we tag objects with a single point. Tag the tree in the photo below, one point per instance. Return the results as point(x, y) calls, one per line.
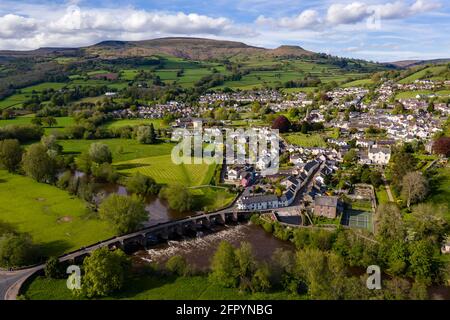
point(414, 188)
point(50, 142)
point(49, 121)
point(38, 164)
point(376, 179)
point(282, 124)
point(10, 154)
point(428, 221)
point(146, 134)
point(104, 272)
point(177, 265)
point(125, 214)
point(16, 250)
point(442, 146)
point(36, 121)
point(100, 153)
point(224, 267)
point(84, 162)
point(261, 279)
point(350, 157)
point(178, 197)
point(246, 262)
point(311, 270)
point(141, 184)
point(389, 224)
point(402, 163)
point(52, 269)
point(421, 260)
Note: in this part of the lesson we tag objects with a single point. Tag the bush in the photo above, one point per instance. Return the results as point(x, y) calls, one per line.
point(143, 185)
point(16, 250)
point(177, 265)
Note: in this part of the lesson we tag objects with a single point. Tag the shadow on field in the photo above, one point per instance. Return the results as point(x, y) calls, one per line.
point(54, 248)
point(128, 166)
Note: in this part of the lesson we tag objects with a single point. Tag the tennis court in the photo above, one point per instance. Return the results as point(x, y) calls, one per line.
point(357, 219)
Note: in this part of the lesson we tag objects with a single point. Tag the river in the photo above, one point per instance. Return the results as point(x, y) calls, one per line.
point(198, 251)
point(157, 208)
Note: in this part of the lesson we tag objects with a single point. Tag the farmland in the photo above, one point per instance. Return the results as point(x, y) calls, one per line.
point(56, 221)
point(164, 171)
point(305, 140)
point(432, 73)
point(122, 149)
point(154, 288)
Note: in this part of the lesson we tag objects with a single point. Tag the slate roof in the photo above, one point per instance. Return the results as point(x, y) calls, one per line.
point(326, 201)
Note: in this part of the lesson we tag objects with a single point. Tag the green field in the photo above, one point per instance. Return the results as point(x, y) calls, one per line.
point(157, 123)
point(305, 140)
point(154, 288)
point(62, 123)
point(211, 198)
point(56, 221)
point(441, 189)
point(382, 196)
point(17, 99)
point(413, 94)
point(164, 171)
point(129, 156)
point(422, 73)
point(122, 149)
point(358, 83)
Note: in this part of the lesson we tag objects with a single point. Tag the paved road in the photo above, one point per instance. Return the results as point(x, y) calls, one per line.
point(388, 191)
point(10, 280)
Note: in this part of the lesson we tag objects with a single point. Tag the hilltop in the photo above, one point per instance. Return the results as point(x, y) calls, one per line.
point(186, 48)
point(189, 48)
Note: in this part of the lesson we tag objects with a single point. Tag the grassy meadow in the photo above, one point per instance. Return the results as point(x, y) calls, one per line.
point(154, 288)
point(305, 140)
point(56, 221)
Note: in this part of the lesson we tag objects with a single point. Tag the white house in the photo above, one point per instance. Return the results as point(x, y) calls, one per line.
point(380, 156)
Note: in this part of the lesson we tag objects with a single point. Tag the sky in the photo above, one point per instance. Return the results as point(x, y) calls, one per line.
point(378, 30)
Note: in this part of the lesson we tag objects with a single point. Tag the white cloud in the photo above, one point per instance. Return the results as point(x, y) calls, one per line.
point(78, 26)
point(308, 19)
point(346, 14)
point(14, 26)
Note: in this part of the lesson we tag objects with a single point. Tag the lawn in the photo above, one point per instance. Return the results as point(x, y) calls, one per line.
point(382, 196)
point(62, 123)
point(24, 94)
point(211, 198)
point(157, 123)
point(129, 156)
point(358, 83)
point(440, 193)
point(305, 140)
point(122, 149)
point(422, 73)
point(154, 287)
point(57, 221)
point(164, 171)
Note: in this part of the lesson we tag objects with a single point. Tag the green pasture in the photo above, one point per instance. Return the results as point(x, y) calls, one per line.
point(56, 221)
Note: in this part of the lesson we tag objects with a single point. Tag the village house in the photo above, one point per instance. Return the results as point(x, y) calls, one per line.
point(379, 156)
point(326, 206)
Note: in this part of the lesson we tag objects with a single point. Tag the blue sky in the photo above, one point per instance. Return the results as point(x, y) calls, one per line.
point(380, 30)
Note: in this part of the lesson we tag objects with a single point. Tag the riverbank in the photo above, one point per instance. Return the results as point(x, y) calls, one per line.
point(155, 287)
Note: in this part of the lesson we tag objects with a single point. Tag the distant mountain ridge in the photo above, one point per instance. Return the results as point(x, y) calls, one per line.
point(181, 47)
point(413, 63)
point(189, 48)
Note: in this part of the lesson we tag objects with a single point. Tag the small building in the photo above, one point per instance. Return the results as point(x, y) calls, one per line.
point(446, 247)
point(380, 156)
point(326, 206)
